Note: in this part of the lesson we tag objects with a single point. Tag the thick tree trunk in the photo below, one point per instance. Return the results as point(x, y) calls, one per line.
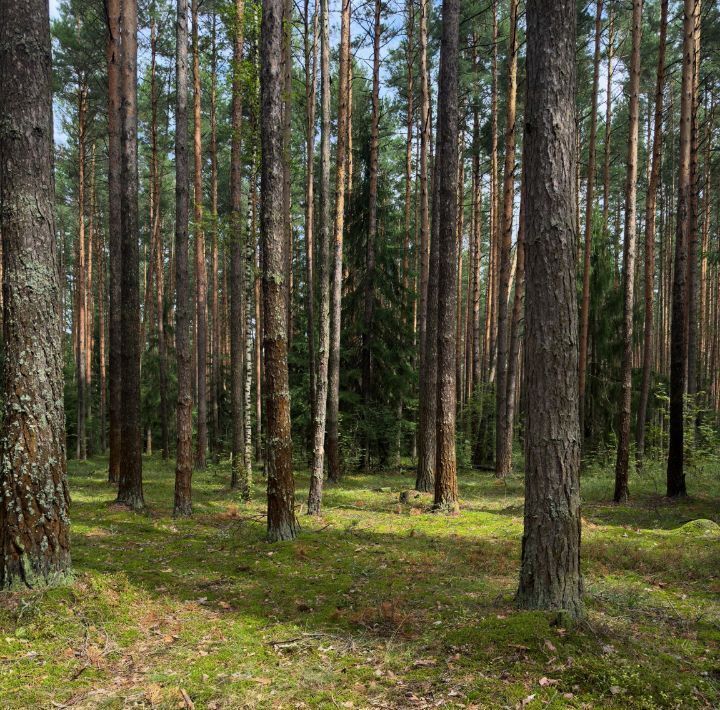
point(678, 333)
point(503, 435)
point(425, 479)
point(236, 267)
point(200, 266)
point(112, 13)
point(321, 381)
point(183, 311)
point(623, 450)
point(589, 210)
point(550, 570)
point(332, 444)
point(130, 490)
point(282, 524)
point(445, 215)
point(34, 525)
point(650, 210)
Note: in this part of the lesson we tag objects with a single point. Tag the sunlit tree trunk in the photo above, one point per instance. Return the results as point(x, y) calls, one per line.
point(332, 444)
point(650, 215)
point(281, 522)
point(678, 329)
point(321, 381)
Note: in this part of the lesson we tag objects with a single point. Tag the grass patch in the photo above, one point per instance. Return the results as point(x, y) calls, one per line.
point(377, 604)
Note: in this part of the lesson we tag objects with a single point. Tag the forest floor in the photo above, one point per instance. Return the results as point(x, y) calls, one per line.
point(379, 604)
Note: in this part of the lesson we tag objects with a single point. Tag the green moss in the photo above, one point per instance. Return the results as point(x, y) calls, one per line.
point(376, 602)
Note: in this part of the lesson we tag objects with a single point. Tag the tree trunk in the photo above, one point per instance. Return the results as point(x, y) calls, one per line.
point(425, 478)
point(236, 267)
point(678, 333)
point(517, 316)
point(608, 118)
point(321, 380)
point(623, 450)
point(503, 440)
point(250, 240)
point(650, 210)
point(445, 215)
point(333, 453)
point(34, 525)
point(693, 241)
point(589, 210)
point(112, 13)
point(282, 524)
point(183, 310)
point(550, 570)
point(80, 282)
point(369, 286)
point(215, 290)
point(200, 267)
point(130, 490)
point(310, 46)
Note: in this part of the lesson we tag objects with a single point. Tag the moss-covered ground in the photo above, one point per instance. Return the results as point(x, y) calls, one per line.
point(379, 604)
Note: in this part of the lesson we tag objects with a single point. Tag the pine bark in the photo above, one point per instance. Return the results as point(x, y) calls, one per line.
point(550, 576)
point(693, 237)
point(650, 221)
point(332, 444)
point(425, 478)
point(321, 380)
point(112, 14)
point(589, 210)
point(445, 215)
point(678, 330)
point(631, 175)
point(369, 286)
point(34, 498)
point(200, 266)
point(81, 281)
point(608, 118)
point(183, 297)
point(282, 524)
point(503, 441)
point(236, 266)
point(130, 490)
point(215, 255)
